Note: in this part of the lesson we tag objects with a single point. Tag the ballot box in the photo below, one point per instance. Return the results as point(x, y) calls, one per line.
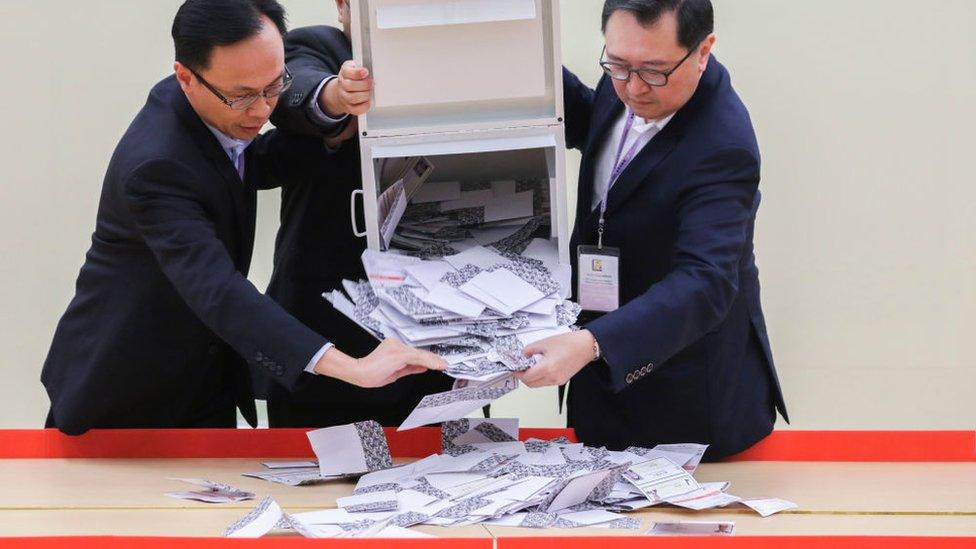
point(464, 144)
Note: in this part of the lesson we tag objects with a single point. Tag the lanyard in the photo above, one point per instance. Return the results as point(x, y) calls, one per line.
point(619, 164)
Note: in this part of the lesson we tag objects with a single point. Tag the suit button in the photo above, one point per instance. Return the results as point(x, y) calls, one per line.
point(212, 350)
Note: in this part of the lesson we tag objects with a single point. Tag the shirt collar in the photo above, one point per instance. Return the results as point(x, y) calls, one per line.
point(642, 125)
point(232, 146)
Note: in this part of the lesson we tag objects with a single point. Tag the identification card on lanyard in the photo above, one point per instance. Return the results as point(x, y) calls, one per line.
point(598, 283)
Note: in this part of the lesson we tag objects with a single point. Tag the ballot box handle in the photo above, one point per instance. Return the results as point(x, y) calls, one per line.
point(352, 212)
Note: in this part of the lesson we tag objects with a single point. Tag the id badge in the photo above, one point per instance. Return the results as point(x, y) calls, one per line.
point(598, 284)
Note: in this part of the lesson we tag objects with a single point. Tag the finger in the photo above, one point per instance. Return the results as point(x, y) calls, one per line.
point(351, 85)
point(355, 98)
point(409, 371)
point(427, 360)
point(350, 70)
point(532, 375)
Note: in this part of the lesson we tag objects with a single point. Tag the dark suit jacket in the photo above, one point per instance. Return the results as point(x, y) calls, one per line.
point(162, 309)
point(686, 356)
point(316, 247)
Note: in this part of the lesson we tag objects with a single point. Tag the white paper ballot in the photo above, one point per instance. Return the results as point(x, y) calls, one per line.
point(289, 464)
point(768, 506)
point(391, 204)
point(692, 528)
point(468, 199)
point(449, 298)
point(503, 187)
point(660, 479)
point(456, 403)
point(437, 191)
point(258, 522)
point(515, 206)
point(347, 449)
point(505, 286)
point(478, 256)
point(429, 273)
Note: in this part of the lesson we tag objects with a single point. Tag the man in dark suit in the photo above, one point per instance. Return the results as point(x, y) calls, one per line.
point(162, 312)
point(316, 247)
point(669, 180)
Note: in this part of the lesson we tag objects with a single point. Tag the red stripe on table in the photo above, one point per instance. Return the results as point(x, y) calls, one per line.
point(208, 443)
point(863, 446)
point(113, 542)
point(925, 446)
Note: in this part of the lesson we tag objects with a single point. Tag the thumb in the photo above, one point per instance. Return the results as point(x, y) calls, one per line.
point(427, 360)
point(351, 70)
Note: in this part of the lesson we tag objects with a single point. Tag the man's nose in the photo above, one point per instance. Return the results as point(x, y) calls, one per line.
point(636, 86)
point(263, 107)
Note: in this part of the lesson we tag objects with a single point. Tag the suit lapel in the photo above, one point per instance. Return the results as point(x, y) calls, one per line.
point(240, 196)
point(641, 167)
point(608, 109)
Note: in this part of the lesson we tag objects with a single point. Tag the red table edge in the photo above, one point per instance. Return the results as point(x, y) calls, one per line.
point(869, 446)
point(691, 542)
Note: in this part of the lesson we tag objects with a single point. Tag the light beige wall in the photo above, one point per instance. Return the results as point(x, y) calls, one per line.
point(865, 240)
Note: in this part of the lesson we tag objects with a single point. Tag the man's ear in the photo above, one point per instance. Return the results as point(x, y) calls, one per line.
point(183, 76)
point(704, 52)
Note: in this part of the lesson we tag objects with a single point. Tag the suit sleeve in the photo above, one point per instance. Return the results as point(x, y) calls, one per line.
point(714, 212)
point(578, 104)
point(312, 54)
point(284, 158)
point(164, 203)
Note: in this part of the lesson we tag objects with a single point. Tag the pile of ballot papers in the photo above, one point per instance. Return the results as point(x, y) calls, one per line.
point(438, 218)
point(477, 309)
point(486, 475)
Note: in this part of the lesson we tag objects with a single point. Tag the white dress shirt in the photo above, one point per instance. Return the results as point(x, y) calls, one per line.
point(642, 131)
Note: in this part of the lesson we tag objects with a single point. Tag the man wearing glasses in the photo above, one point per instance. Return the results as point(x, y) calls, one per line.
point(163, 313)
point(674, 346)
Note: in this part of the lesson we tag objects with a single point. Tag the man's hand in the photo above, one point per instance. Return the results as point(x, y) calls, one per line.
point(350, 93)
point(562, 357)
point(386, 364)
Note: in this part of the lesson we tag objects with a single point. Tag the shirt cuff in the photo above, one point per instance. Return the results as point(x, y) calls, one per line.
point(315, 359)
point(318, 115)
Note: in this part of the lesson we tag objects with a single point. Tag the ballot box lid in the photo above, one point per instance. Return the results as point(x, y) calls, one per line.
point(454, 65)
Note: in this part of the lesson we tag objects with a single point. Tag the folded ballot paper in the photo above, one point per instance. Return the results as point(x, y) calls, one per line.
point(477, 309)
point(210, 492)
point(485, 474)
point(342, 451)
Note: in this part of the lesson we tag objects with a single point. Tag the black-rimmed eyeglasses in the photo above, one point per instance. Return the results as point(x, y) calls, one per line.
point(651, 77)
point(245, 101)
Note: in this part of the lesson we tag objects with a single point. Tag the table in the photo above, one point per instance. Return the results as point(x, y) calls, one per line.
point(859, 488)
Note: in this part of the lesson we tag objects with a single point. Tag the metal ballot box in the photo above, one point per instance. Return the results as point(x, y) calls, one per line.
point(465, 135)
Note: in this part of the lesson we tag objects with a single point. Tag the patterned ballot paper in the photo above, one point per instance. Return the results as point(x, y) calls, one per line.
point(348, 449)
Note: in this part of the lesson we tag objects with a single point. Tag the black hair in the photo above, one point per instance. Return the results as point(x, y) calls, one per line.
point(202, 25)
point(696, 20)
